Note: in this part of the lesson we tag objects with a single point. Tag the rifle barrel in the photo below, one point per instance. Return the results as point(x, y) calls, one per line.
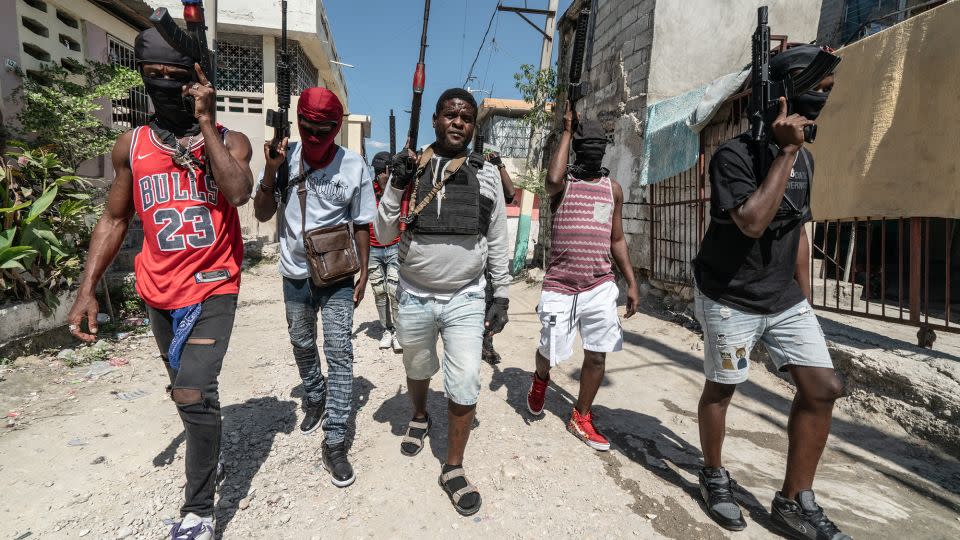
point(419, 81)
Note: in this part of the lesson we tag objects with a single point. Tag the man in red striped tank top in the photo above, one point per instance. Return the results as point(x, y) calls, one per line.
point(183, 175)
point(579, 288)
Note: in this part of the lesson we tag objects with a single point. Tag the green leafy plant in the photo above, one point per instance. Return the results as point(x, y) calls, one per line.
point(60, 106)
point(532, 180)
point(47, 219)
point(539, 88)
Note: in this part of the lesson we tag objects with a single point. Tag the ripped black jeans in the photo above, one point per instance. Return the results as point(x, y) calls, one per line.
point(195, 390)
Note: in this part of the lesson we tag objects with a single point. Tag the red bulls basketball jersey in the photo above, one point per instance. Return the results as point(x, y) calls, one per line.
point(192, 246)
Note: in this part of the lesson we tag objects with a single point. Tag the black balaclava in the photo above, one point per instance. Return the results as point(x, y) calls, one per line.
point(589, 146)
point(174, 112)
point(811, 102)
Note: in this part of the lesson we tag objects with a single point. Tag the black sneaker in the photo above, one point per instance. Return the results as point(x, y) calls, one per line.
point(716, 487)
point(313, 418)
point(803, 519)
point(335, 462)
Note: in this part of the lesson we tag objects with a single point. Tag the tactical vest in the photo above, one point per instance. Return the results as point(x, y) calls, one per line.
point(462, 207)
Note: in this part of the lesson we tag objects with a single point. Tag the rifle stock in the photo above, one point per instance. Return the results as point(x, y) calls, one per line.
point(193, 41)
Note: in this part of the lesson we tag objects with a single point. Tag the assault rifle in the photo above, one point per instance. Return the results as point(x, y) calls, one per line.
point(193, 41)
point(582, 54)
point(765, 94)
point(478, 145)
point(419, 80)
point(279, 119)
point(393, 133)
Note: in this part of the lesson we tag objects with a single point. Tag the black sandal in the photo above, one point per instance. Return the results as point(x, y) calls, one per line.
point(417, 431)
point(456, 496)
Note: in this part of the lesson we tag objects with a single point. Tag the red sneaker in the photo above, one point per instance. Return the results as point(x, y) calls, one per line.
point(537, 395)
point(582, 427)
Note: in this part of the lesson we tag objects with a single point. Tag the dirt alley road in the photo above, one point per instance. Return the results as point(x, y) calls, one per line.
point(80, 462)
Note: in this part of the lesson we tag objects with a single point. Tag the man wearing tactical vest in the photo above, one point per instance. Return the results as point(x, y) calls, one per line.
point(455, 229)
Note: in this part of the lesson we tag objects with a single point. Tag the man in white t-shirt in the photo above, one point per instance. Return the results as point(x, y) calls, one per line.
point(339, 190)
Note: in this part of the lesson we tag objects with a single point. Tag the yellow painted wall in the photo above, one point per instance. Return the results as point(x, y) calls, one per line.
point(888, 142)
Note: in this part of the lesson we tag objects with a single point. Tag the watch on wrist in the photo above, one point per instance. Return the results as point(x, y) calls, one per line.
point(265, 188)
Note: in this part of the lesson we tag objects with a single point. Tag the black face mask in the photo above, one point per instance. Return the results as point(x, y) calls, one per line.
point(173, 111)
point(809, 104)
point(588, 157)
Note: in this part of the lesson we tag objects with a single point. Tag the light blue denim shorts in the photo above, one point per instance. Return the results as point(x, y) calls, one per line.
point(459, 323)
point(793, 337)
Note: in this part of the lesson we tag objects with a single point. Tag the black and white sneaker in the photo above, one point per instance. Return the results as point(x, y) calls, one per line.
point(335, 462)
point(716, 488)
point(803, 519)
point(314, 417)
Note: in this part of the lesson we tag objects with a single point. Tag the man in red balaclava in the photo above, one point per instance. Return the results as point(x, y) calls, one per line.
point(339, 190)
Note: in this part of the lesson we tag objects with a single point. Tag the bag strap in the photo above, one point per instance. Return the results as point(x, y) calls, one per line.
point(302, 195)
point(806, 164)
point(452, 167)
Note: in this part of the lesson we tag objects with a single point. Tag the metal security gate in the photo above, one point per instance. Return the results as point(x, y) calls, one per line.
point(679, 205)
point(897, 270)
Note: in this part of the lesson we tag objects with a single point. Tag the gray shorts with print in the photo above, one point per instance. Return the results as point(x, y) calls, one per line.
point(793, 337)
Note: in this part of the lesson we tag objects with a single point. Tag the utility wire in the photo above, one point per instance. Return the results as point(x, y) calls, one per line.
point(487, 32)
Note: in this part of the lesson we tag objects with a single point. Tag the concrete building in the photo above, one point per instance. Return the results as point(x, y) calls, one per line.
point(845, 21)
point(647, 51)
point(69, 32)
point(499, 122)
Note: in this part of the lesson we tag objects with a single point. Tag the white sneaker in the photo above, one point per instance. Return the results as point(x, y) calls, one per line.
point(193, 527)
point(386, 339)
point(396, 345)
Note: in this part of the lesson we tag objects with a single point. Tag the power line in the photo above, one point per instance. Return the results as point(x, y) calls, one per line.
point(489, 24)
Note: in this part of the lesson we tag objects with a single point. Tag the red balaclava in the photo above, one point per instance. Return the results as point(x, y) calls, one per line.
point(320, 105)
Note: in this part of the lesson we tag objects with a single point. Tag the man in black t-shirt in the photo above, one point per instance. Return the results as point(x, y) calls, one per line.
point(753, 286)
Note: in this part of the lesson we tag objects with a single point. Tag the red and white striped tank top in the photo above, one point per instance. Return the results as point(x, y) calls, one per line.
point(580, 238)
point(192, 245)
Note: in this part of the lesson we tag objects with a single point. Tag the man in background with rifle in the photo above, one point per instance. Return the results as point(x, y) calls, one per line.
point(753, 283)
point(183, 175)
point(328, 204)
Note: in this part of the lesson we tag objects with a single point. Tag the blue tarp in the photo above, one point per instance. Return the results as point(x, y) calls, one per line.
point(671, 142)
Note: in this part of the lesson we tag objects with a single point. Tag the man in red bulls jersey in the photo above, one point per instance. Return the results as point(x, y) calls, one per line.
point(184, 176)
point(579, 288)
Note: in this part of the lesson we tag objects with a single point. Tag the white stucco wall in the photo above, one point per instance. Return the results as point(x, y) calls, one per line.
point(696, 41)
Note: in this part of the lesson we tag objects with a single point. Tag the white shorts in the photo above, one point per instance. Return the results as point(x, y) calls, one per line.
point(593, 312)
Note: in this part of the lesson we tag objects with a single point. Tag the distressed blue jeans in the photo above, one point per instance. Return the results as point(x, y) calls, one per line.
point(384, 268)
point(303, 301)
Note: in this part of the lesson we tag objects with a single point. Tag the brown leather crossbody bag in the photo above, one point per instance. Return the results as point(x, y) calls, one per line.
point(331, 251)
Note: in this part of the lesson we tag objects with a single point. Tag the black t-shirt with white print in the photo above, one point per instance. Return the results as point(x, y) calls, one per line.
point(752, 274)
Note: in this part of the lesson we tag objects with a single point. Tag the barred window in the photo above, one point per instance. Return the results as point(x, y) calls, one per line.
point(511, 135)
point(240, 63)
point(133, 110)
point(304, 74)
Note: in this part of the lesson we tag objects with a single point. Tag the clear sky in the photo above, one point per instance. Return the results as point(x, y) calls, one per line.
point(382, 39)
